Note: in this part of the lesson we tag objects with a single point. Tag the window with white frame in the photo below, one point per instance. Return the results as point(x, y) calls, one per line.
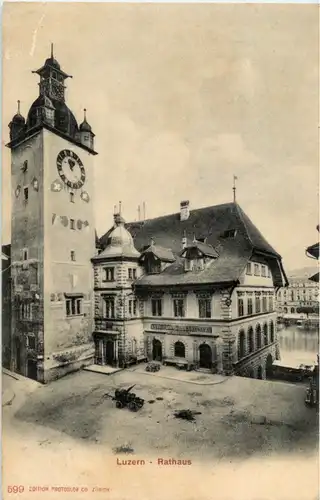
point(204, 307)
point(249, 306)
point(132, 307)
point(179, 308)
point(257, 270)
point(240, 307)
point(109, 308)
point(249, 268)
point(156, 306)
point(73, 306)
point(108, 274)
point(264, 303)
point(263, 271)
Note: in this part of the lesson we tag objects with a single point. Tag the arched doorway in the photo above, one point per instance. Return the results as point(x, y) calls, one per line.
point(179, 350)
point(259, 372)
point(269, 362)
point(241, 345)
point(251, 339)
point(109, 352)
point(205, 356)
point(258, 336)
point(156, 350)
point(265, 334)
point(271, 331)
point(251, 373)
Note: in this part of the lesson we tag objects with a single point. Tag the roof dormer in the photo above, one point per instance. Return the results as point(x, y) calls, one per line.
point(155, 258)
point(197, 254)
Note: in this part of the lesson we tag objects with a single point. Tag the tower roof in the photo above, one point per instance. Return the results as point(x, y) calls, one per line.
point(84, 126)
point(120, 242)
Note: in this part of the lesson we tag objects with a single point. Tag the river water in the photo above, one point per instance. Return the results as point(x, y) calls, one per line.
point(298, 345)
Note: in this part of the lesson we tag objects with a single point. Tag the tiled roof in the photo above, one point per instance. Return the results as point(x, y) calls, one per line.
point(164, 254)
point(204, 248)
point(210, 224)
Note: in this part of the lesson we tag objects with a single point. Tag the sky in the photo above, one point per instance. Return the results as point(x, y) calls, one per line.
point(181, 98)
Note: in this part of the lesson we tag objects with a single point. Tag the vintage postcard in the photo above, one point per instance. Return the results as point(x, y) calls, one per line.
point(160, 282)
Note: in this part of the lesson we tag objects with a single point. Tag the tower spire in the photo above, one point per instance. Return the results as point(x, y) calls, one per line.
point(52, 50)
point(18, 106)
point(84, 114)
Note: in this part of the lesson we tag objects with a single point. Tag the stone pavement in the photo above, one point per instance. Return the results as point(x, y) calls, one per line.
point(107, 370)
point(172, 373)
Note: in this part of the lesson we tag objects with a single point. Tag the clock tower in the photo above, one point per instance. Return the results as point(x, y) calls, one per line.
point(53, 233)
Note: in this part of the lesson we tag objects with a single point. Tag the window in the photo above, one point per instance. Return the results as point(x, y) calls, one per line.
point(256, 270)
point(178, 308)
point(73, 306)
point(240, 307)
point(109, 307)
point(156, 307)
point(72, 197)
point(25, 166)
point(54, 75)
point(132, 273)
point(264, 304)
point(25, 254)
point(31, 340)
point(249, 268)
point(108, 274)
point(230, 233)
point(26, 194)
point(72, 224)
point(132, 307)
point(204, 308)
point(269, 273)
point(263, 271)
point(179, 350)
point(258, 305)
point(26, 311)
point(73, 255)
point(270, 303)
point(250, 306)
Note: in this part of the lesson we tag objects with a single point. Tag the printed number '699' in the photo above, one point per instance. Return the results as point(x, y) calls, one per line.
point(16, 489)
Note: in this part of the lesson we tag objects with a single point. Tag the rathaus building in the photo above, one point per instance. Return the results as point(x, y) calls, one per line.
point(194, 289)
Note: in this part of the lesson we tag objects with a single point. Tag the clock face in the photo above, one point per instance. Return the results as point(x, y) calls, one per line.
point(71, 169)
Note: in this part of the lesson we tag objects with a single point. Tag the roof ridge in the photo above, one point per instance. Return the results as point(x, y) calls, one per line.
point(177, 213)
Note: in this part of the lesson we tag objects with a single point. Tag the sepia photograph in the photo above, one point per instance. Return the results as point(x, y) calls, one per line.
point(160, 251)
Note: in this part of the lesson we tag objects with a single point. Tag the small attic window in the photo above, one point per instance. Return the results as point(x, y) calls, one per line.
point(230, 233)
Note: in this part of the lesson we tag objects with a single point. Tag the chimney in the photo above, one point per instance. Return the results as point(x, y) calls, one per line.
point(184, 210)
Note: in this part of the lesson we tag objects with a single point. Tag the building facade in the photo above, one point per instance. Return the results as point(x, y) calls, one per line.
point(185, 290)
point(301, 292)
point(53, 234)
point(194, 289)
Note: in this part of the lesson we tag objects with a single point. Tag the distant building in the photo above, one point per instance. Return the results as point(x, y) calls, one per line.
point(301, 292)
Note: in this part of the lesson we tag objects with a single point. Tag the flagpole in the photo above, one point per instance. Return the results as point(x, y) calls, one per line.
point(234, 188)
